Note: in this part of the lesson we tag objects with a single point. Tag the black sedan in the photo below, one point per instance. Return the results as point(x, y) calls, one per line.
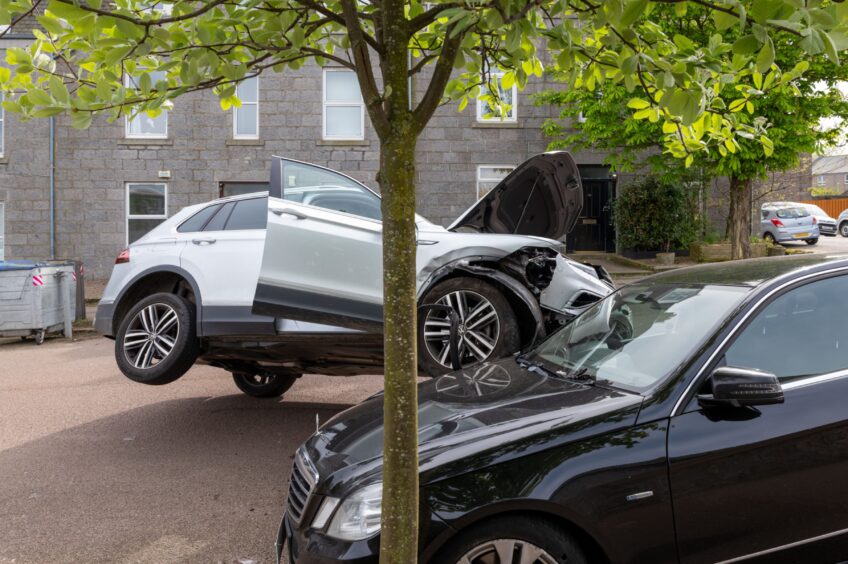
point(697, 416)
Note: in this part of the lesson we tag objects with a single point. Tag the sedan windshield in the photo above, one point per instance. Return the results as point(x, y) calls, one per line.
point(637, 337)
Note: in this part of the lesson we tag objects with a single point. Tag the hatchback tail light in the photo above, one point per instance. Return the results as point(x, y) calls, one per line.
point(123, 256)
point(776, 222)
point(815, 221)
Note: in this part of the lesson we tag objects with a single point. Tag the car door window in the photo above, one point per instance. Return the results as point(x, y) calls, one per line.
point(323, 188)
point(248, 214)
point(801, 333)
point(218, 222)
point(198, 220)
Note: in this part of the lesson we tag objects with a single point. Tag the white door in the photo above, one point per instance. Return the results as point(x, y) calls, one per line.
point(2, 231)
point(223, 257)
point(323, 250)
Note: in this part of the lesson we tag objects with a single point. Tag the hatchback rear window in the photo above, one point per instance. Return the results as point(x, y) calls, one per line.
point(791, 213)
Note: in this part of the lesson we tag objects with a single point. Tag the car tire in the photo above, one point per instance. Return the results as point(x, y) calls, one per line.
point(156, 342)
point(500, 329)
point(812, 241)
point(264, 385)
point(769, 238)
point(843, 228)
point(513, 535)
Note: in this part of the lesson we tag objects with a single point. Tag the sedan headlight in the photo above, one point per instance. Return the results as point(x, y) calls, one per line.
point(358, 516)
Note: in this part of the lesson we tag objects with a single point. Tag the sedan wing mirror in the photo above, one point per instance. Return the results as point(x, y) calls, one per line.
point(733, 386)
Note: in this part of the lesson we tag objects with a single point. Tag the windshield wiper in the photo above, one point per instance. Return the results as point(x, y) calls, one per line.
point(582, 375)
point(535, 366)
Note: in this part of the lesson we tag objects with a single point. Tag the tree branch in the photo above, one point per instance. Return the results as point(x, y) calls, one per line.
point(441, 75)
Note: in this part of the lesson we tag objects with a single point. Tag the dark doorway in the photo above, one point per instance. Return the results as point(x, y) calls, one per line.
point(595, 230)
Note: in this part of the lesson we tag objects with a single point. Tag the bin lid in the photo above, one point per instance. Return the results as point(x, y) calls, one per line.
point(19, 265)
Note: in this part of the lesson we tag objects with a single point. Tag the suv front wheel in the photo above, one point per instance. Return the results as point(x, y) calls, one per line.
point(156, 342)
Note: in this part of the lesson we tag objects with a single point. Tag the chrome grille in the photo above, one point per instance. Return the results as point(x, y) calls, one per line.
point(303, 480)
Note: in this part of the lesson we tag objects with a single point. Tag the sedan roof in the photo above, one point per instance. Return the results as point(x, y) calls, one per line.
point(753, 272)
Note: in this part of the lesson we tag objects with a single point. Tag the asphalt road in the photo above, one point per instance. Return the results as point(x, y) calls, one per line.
point(96, 468)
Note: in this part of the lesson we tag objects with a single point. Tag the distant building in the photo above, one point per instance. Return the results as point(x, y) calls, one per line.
point(831, 172)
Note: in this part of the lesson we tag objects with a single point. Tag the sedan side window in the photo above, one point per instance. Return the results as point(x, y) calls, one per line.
point(217, 223)
point(801, 333)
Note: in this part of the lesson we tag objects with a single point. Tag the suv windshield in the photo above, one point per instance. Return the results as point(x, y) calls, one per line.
point(637, 337)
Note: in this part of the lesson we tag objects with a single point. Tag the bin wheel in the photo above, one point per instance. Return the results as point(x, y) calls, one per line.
point(39, 337)
point(23, 338)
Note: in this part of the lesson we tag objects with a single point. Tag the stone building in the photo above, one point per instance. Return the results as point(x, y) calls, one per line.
point(99, 189)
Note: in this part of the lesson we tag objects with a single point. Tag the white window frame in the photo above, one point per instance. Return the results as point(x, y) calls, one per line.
point(128, 119)
point(820, 180)
point(129, 216)
point(2, 230)
point(846, 176)
point(480, 178)
point(326, 104)
point(498, 119)
point(2, 127)
point(236, 134)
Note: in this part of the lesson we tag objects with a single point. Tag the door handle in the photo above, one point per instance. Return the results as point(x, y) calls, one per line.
point(289, 211)
point(203, 241)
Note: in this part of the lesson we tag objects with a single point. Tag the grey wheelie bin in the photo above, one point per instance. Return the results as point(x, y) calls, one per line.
point(37, 298)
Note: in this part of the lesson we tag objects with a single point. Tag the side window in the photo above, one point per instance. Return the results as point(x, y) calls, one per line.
point(249, 214)
point(801, 333)
point(322, 188)
point(198, 220)
point(217, 223)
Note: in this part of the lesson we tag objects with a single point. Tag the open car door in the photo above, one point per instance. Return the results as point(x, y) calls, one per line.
point(323, 259)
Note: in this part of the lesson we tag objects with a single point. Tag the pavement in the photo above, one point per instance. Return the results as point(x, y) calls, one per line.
point(96, 468)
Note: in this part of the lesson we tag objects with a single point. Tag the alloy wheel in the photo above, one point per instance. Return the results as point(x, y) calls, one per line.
point(844, 229)
point(479, 328)
point(151, 335)
point(507, 551)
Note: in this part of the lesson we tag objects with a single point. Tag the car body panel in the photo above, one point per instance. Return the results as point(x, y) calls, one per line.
point(795, 227)
point(827, 225)
point(542, 196)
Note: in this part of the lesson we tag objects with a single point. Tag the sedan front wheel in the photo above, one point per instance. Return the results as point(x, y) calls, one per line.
point(488, 328)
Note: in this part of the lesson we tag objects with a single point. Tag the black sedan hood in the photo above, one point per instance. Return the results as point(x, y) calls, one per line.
point(484, 408)
point(543, 196)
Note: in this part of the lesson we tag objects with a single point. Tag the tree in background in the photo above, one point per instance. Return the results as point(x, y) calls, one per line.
point(604, 118)
point(131, 56)
point(653, 214)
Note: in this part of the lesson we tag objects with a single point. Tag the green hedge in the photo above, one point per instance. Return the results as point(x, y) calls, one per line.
point(651, 215)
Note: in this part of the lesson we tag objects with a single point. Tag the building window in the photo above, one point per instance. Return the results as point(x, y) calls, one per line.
point(147, 207)
point(846, 179)
point(2, 231)
point(2, 128)
point(820, 180)
point(489, 176)
point(246, 118)
point(344, 111)
point(142, 126)
point(509, 99)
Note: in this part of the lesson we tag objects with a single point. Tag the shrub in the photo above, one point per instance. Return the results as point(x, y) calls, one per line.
point(652, 215)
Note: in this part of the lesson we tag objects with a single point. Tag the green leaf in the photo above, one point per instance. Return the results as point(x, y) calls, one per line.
point(39, 97)
point(745, 45)
point(638, 104)
point(463, 103)
point(830, 48)
point(80, 120)
point(59, 90)
point(766, 57)
point(633, 10)
point(685, 105)
point(724, 21)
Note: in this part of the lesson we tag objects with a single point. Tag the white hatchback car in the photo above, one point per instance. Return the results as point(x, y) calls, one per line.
point(271, 286)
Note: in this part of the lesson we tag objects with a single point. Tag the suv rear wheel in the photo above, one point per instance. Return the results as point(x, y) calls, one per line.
point(264, 385)
point(156, 342)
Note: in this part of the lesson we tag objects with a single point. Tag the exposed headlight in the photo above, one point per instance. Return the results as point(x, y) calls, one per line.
point(358, 516)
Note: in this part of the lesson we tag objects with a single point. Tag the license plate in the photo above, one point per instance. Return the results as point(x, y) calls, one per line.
point(801, 235)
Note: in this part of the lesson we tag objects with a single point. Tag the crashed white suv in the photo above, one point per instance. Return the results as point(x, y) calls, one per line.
point(272, 286)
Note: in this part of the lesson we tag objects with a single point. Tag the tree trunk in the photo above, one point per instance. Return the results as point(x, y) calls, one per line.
point(739, 220)
point(399, 537)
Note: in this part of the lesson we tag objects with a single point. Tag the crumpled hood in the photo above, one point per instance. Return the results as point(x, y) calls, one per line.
point(463, 413)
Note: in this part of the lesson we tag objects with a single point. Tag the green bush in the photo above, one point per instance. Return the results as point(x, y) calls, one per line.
point(651, 215)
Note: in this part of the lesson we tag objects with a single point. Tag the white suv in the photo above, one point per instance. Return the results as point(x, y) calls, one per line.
point(270, 288)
